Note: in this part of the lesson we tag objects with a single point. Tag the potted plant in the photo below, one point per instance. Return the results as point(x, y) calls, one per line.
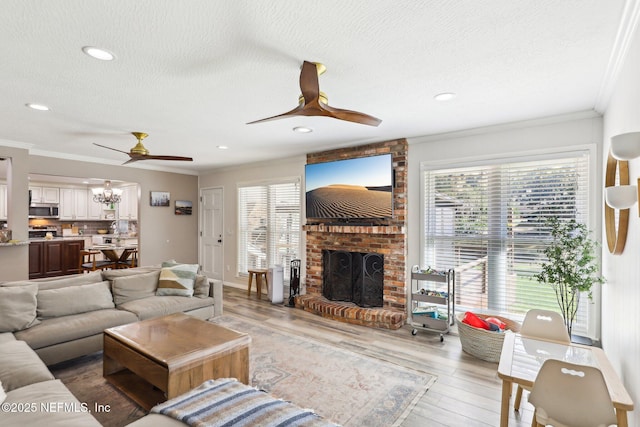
point(571, 266)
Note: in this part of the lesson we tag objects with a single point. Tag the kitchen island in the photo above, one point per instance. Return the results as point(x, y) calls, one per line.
point(54, 257)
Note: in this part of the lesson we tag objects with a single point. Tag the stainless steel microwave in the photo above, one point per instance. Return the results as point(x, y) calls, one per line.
point(44, 210)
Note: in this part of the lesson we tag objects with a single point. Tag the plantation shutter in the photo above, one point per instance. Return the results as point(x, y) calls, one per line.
point(268, 225)
point(487, 221)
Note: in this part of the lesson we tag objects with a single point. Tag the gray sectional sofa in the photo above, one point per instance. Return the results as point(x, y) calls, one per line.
point(47, 321)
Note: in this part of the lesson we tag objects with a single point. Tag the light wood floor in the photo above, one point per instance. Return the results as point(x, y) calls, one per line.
point(467, 390)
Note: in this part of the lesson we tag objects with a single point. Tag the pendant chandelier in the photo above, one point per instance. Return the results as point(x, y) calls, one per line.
point(107, 195)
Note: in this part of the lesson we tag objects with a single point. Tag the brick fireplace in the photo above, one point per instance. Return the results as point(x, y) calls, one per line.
point(384, 237)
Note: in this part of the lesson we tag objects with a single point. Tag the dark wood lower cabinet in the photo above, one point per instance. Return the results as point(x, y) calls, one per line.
point(54, 258)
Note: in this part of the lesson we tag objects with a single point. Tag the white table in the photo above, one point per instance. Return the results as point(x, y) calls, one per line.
point(521, 359)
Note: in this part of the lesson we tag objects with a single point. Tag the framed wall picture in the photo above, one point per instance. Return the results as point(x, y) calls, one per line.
point(160, 198)
point(183, 207)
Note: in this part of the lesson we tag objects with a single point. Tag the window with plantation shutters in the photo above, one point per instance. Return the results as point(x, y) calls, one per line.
point(268, 225)
point(487, 221)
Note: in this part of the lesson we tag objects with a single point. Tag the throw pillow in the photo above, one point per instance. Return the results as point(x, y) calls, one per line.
point(201, 286)
point(178, 279)
point(3, 395)
point(74, 300)
point(18, 307)
point(129, 288)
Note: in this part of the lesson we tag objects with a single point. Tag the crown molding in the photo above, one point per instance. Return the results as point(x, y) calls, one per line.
point(624, 37)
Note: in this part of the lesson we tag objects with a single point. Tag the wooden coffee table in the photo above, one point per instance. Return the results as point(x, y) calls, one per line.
point(157, 359)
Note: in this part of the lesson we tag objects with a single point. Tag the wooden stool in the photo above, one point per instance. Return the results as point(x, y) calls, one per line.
point(260, 273)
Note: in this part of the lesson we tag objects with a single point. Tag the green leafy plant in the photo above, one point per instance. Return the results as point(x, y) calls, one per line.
point(571, 266)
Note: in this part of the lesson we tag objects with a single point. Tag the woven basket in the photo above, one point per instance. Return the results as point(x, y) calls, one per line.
point(483, 344)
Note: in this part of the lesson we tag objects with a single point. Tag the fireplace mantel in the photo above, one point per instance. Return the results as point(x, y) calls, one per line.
point(355, 229)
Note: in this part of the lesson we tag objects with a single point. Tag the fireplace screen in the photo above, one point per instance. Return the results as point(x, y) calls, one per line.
point(353, 276)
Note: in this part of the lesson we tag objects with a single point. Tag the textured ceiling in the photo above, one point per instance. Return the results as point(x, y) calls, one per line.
point(191, 74)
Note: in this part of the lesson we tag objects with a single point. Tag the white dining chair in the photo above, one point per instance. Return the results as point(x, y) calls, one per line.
point(544, 325)
point(569, 395)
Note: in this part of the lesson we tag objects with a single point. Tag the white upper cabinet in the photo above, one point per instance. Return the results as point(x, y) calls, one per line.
point(94, 210)
point(128, 206)
point(45, 194)
point(74, 203)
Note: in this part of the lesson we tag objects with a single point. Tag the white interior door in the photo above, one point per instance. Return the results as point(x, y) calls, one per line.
point(211, 233)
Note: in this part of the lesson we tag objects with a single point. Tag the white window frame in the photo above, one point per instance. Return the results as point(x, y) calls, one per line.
point(271, 245)
point(592, 328)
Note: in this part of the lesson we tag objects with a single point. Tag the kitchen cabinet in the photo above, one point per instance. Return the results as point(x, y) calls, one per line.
point(3, 202)
point(73, 204)
point(94, 209)
point(56, 257)
point(45, 194)
point(36, 260)
point(128, 206)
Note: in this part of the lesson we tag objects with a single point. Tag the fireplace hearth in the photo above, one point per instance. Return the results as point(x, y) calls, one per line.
point(353, 277)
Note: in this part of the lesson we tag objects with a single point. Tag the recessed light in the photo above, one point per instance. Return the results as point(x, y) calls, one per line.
point(38, 107)
point(97, 53)
point(222, 147)
point(446, 96)
point(302, 129)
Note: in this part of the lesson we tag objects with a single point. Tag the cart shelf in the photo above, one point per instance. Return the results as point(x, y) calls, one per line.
point(429, 300)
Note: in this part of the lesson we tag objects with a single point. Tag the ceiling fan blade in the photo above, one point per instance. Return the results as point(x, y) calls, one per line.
point(114, 149)
point(309, 84)
point(352, 116)
point(131, 161)
point(295, 112)
point(150, 157)
point(314, 103)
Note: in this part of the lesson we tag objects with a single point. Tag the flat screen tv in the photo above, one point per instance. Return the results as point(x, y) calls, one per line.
point(349, 190)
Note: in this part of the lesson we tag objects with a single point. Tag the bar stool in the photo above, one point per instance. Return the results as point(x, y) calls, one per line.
point(259, 273)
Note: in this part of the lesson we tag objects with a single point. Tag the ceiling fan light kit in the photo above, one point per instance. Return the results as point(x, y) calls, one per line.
point(313, 102)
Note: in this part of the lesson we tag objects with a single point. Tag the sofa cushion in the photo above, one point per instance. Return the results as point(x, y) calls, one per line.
point(18, 307)
point(68, 328)
point(177, 279)
point(58, 282)
point(155, 306)
point(201, 287)
point(6, 337)
point(74, 300)
point(129, 288)
point(21, 366)
point(65, 409)
point(124, 272)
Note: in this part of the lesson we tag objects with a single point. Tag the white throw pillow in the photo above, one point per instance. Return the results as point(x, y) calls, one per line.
point(3, 395)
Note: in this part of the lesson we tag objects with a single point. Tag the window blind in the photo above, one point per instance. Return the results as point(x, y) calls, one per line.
point(268, 225)
point(487, 221)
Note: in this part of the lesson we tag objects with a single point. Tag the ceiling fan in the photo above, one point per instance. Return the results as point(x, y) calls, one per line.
point(312, 102)
point(139, 152)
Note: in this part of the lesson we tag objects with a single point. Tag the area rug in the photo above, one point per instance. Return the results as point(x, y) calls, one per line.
point(345, 387)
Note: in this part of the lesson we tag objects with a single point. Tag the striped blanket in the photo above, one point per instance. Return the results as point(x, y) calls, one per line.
point(227, 402)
